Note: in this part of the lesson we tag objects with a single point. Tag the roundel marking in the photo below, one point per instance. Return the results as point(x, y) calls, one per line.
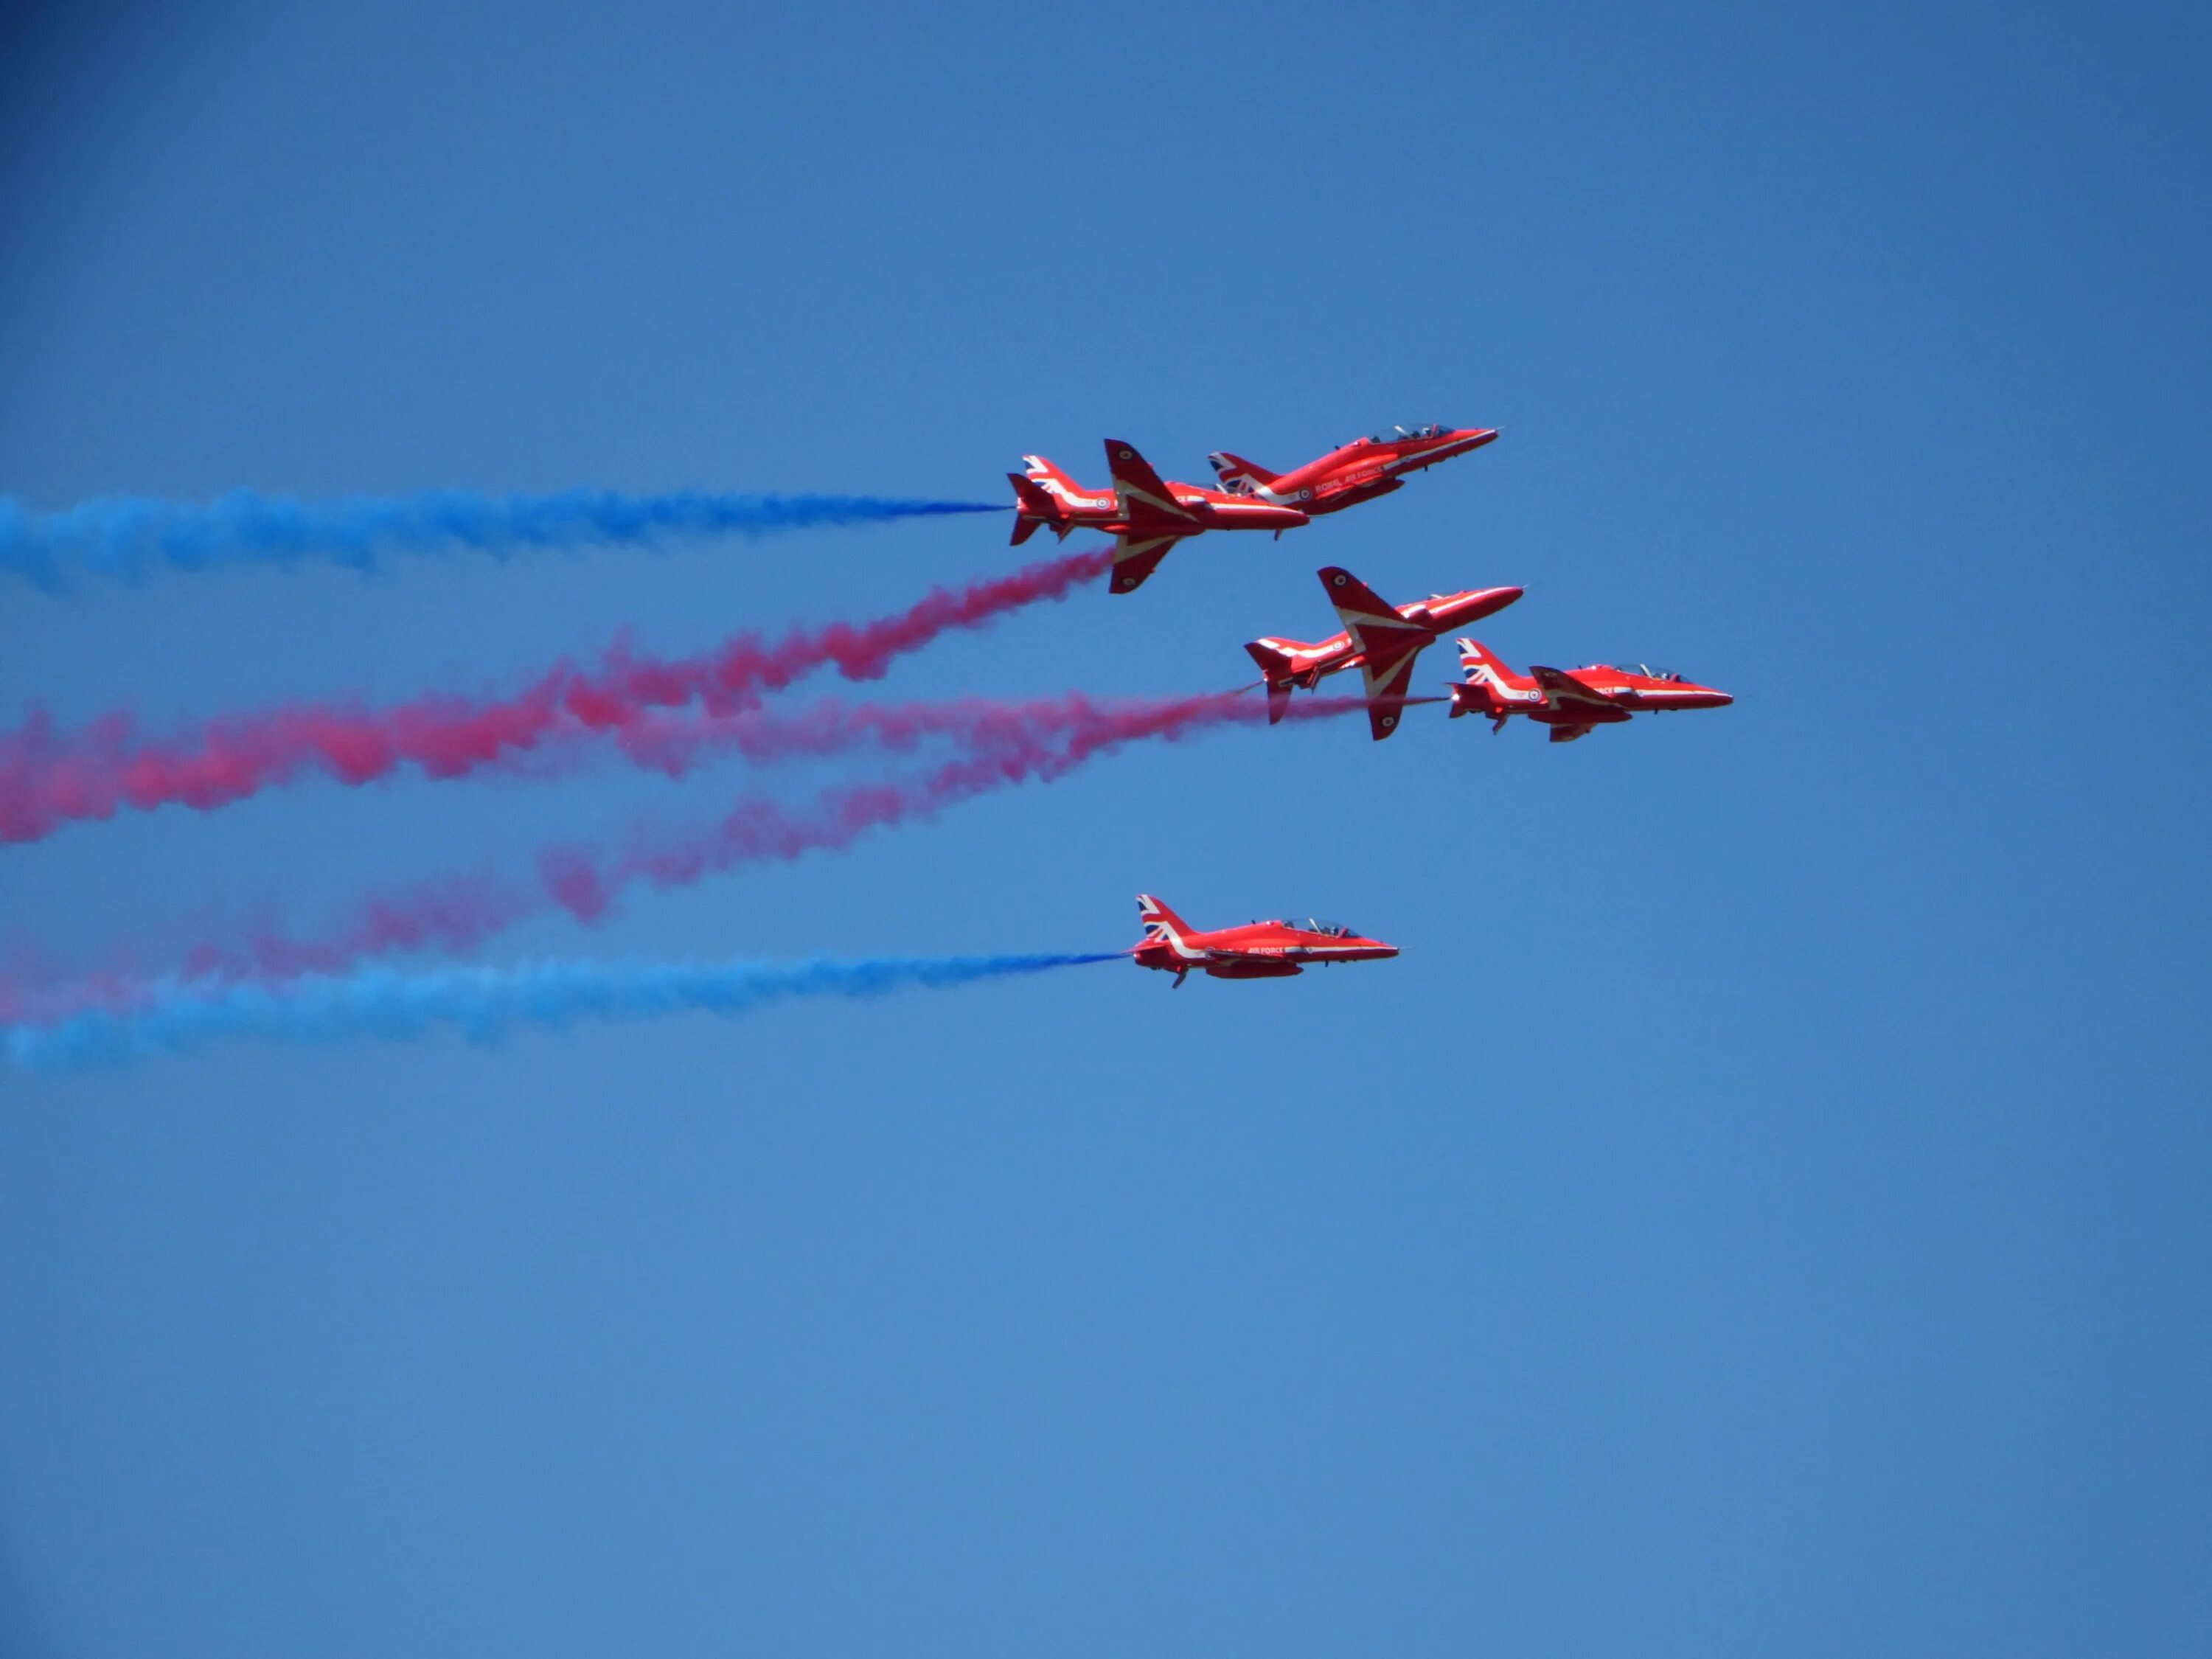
point(1389, 721)
point(1337, 581)
point(1305, 495)
point(1128, 455)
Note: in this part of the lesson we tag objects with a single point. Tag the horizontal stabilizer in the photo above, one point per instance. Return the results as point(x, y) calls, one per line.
point(1032, 498)
point(1032, 508)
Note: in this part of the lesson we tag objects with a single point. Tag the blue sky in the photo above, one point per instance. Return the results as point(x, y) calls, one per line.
point(1762, 1209)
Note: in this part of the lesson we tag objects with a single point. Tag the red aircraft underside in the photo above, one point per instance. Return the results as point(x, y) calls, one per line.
point(1381, 639)
point(1354, 472)
point(1259, 950)
point(1145, 514)
point(1570, 701)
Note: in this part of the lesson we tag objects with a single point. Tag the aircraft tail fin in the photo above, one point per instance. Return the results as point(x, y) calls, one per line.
point(1160, 922)
point(1477, 661)
point(1279, 672)
point(1240, 476)
point(1487, 686)
point(1044, 474)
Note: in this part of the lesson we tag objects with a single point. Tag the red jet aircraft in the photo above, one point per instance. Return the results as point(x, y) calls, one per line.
point(1379, 639)
point(1570, 701)
point(1144, 515)
point(1359, 472)
point(1259, 950)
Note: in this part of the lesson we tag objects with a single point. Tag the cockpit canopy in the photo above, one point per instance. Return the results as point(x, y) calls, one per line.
point(1315, 925)
point(1398, 435)
point(1645, 669)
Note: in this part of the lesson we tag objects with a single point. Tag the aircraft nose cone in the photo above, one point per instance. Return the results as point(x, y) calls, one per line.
point(1472, 606)
point(1480, 436)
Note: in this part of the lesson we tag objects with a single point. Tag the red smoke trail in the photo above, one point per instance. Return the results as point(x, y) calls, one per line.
point(675, 743)
point(1011, 745)
point(1064, 735)
point(49, 777)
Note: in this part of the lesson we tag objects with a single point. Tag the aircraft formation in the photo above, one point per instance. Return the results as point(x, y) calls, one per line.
point(670, 713)
point(1149, 517)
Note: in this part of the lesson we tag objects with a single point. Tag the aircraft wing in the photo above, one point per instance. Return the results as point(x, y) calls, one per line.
point(1136, 557)
point(1562, 687)
point(1140, 495)
point(1386, 692)
point(1373, 621)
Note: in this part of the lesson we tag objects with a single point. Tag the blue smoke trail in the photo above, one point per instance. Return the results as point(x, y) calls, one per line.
point(484, 1003)
point(123, 536)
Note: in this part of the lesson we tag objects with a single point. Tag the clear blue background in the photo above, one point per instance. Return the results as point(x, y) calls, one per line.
point(1763, 1209)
